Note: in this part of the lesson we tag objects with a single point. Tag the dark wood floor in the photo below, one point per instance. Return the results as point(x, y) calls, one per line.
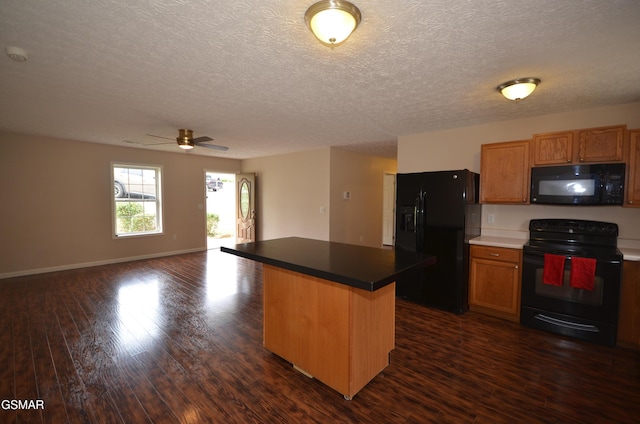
point(180, 340)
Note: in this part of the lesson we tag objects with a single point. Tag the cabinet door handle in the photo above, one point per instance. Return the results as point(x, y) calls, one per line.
point(494, 254)
point(516, 267)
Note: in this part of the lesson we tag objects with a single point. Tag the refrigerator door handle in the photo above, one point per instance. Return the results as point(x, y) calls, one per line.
point(420, 221)
point(423, 210)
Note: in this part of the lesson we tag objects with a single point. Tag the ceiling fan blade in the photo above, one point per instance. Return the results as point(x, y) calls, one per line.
point(198, 141)
point(143, 144)
point(212, 146)
point(158, 136)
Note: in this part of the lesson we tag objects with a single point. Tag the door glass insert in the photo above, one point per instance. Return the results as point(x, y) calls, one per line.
point(244, 200)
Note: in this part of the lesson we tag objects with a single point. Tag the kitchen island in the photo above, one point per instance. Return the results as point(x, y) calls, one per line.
point(329, 308)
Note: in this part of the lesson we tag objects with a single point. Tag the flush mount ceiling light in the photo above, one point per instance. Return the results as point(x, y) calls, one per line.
point(518, 89)
point(332, 21)
point(185, 139)
point(17, 54)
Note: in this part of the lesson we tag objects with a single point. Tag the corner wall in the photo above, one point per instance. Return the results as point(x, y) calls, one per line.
point(300, 194)
point(359, 219)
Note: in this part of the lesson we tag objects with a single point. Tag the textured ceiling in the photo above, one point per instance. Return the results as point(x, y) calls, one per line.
point(249, 73)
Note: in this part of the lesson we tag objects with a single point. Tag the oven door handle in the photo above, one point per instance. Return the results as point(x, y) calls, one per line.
point(567, 324)
point(538, 256)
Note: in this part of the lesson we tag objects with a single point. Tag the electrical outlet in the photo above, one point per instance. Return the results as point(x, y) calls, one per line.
point(491, 218)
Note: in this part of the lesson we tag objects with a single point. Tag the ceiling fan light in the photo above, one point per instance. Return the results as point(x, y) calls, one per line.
point(518, 89)
point(332, 21)
point(185, 139)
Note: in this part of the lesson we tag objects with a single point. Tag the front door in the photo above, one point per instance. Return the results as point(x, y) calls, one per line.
point(245, 209)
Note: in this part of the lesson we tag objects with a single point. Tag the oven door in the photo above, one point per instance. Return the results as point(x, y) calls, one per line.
point(599, 304)
point(590, 315)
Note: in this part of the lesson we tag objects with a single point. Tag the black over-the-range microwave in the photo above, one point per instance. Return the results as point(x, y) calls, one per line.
point(586, 184)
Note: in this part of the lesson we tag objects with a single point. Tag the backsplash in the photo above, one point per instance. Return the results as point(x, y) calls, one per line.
point(515, 218)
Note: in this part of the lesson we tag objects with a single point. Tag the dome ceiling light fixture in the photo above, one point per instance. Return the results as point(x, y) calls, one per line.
point(17, 54)
point(518, 89)
point(332, 21)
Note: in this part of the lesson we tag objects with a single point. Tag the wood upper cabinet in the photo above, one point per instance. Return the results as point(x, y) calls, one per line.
point(553, 148)
point(494, 281)
point(633, 170)
point(605, 144)
point(504, 172)
point(590, 145)
point(629, 316)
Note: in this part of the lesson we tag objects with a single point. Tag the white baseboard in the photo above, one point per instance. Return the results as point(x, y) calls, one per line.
point(95, 263)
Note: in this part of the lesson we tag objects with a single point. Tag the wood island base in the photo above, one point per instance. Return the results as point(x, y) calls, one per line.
point(338, 334)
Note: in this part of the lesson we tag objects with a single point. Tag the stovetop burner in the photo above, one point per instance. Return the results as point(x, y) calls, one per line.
point(570, 249)
point(573, 237)
point(574, 231)
point(574, 226)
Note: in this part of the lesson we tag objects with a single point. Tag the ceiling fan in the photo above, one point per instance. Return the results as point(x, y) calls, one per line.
point(185, 141)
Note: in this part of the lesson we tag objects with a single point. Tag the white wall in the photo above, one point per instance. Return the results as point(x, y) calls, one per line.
point(290, 191)
point(460, 148)
point(56, 203)
point(359, 219)
point(300, 194)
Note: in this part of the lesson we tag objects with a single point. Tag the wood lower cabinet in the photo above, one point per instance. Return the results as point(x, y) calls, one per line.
point(505, 172)
point(629, 317)
point(633, 170)
point(494, 281)
point(339, 334)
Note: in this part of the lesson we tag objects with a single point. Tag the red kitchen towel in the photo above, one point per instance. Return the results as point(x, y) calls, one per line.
point(553, 272)
point(583, 273)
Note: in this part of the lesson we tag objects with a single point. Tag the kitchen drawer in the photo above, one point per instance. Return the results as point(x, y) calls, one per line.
point(495, 253)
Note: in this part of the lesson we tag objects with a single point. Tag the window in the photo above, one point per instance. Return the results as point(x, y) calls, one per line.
point(137, 205)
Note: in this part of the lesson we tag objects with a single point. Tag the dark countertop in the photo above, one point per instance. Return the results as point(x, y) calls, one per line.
point(366, 268)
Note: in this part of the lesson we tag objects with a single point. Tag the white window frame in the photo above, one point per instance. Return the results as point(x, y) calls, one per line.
point(155, 204)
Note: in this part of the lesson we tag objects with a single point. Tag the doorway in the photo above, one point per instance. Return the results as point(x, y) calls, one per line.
point(221, 209)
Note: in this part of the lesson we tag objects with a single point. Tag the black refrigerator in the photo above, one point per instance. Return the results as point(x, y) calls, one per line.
point(438, 213)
